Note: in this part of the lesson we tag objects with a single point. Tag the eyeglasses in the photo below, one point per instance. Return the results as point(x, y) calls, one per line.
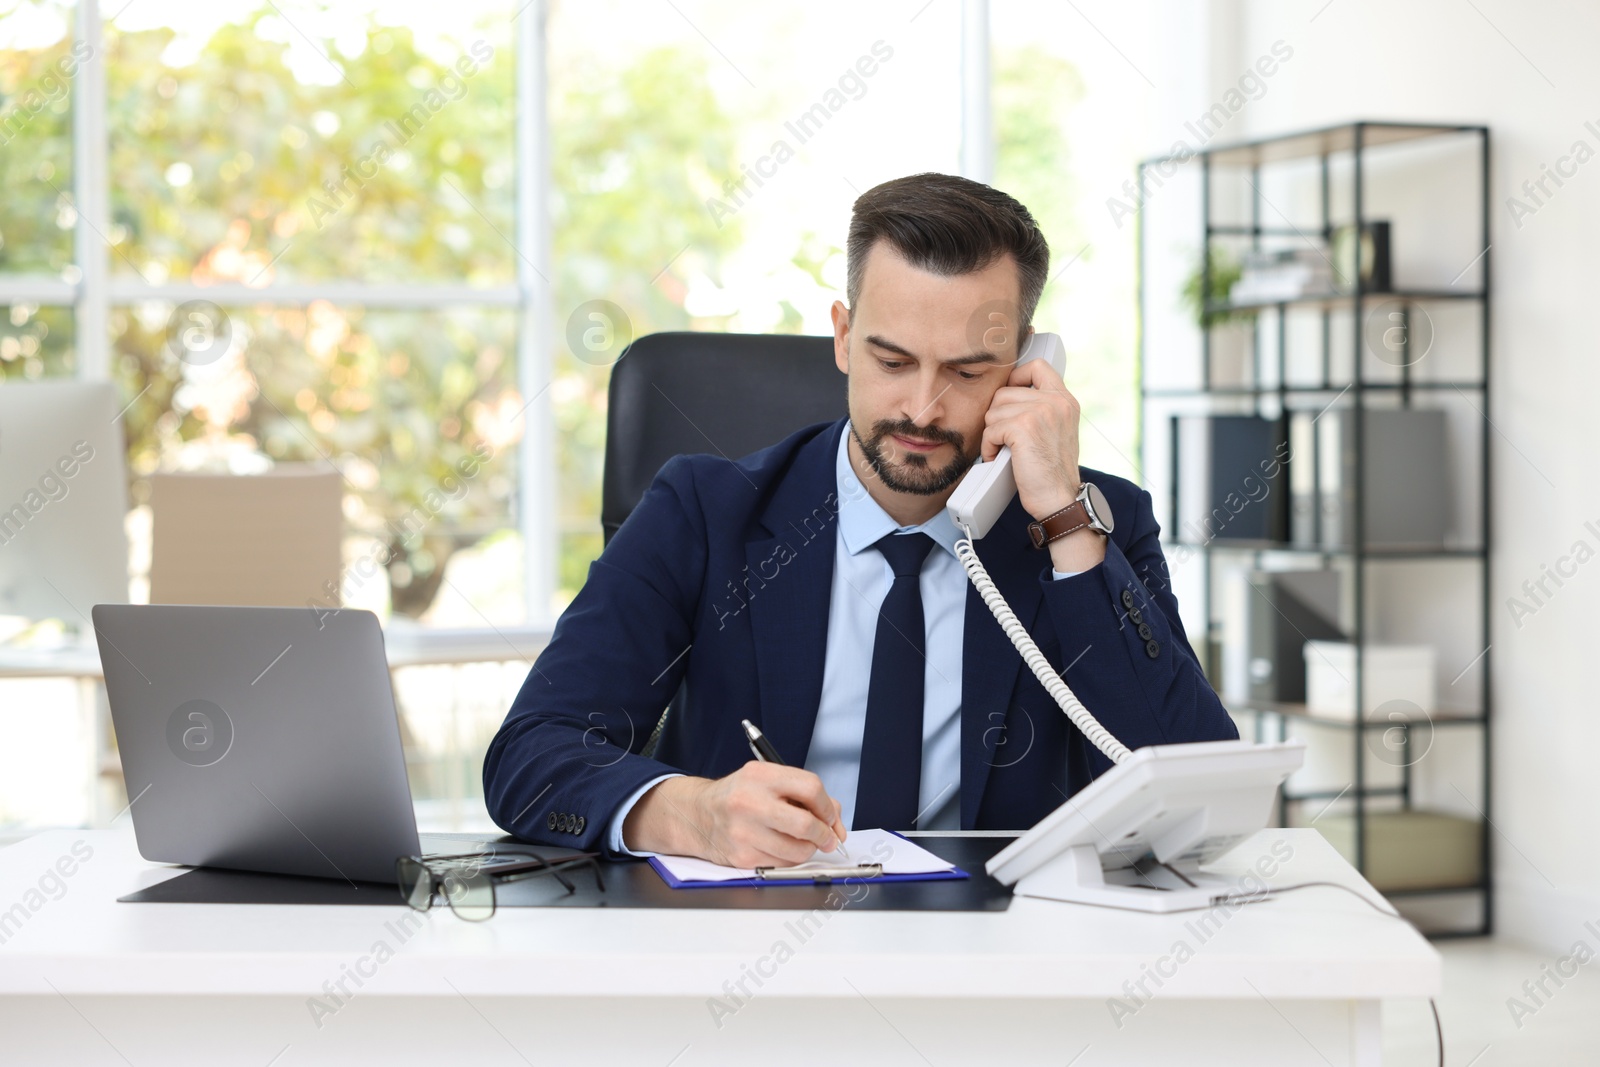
point(469, 887)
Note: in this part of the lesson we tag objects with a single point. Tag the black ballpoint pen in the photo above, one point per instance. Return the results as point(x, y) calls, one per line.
point(763, 750)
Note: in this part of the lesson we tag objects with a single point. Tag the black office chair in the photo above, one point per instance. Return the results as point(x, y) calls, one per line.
point(726, 394)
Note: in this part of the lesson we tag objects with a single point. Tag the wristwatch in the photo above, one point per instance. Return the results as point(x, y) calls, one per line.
point(1090, 509)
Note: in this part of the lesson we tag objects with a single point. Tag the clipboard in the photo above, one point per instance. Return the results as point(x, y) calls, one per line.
point(829, 875)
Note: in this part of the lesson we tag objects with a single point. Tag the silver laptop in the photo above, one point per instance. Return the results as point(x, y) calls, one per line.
point(262, 739)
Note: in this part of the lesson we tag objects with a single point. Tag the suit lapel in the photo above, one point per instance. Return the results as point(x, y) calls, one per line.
point(990, 661)
point(795, 568)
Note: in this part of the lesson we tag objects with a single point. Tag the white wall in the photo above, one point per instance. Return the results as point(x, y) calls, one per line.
point(1442, 60)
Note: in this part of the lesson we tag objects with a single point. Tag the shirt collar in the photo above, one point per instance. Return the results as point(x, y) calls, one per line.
point(862, 521)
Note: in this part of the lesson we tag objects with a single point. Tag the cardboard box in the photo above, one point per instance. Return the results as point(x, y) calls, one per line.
point(1399, 673)
point(1411, 849)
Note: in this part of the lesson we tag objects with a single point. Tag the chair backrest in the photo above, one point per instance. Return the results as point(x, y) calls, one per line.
point(264, 540)
point(726, 394)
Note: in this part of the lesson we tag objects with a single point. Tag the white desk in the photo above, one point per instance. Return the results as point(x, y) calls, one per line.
point(85, 980)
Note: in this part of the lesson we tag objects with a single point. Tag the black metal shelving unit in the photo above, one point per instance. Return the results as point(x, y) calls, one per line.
point(1354, 142)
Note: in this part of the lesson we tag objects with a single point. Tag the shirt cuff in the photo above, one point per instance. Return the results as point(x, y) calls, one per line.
point(614, 832)
point(1058, 575)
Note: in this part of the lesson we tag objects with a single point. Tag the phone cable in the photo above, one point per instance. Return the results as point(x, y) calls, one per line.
point(1081, 717)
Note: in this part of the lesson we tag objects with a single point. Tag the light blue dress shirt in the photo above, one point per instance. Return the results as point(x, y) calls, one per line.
point(861, 579)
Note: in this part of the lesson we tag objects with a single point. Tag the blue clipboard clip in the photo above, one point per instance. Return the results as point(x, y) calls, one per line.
point(820, 874)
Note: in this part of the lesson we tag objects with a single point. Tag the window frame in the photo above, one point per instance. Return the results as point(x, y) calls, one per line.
point(95, 292)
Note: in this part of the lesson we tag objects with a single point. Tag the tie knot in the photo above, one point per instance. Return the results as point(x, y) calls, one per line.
point(905, 552)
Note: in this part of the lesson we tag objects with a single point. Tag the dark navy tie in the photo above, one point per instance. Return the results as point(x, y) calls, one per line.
point(891, 744)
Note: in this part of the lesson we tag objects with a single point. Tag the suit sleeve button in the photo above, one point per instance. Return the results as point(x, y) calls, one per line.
point(1145, 631)
point(550, 820)
point(580, 825)
point(1127, 598)
point(1152, 649)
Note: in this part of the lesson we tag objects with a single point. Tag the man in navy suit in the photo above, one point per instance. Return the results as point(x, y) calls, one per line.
point(813, 588)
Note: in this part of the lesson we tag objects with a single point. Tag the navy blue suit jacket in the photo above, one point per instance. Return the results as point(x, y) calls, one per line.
point(720, 581)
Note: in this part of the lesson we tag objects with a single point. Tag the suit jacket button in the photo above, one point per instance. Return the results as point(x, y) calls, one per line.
point(550, 821)
point(1134, 616)
point(1145, 631)
point(579, 828)
point(1152, 649)
point(1127, 598)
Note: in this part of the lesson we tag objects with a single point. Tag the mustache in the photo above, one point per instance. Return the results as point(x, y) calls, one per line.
point(912, 432)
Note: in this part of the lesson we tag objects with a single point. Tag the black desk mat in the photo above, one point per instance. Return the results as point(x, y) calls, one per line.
point(629, 884)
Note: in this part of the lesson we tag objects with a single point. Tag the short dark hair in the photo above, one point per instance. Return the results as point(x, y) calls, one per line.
point(947, 225)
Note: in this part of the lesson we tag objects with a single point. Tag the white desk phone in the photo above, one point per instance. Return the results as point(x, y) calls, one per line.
point(1134, 837)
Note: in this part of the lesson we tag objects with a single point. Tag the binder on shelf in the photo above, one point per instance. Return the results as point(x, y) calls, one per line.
point(1285, 610)
point(1367, 258)
point(1303, 501)
point(1229, 472)
point(1408, 498)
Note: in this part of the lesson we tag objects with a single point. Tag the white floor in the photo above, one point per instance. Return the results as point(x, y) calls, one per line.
point(1480, 976)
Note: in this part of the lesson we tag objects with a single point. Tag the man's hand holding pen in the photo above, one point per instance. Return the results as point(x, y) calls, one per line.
point(761, 815)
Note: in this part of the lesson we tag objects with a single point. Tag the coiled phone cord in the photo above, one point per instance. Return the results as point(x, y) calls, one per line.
point(1086, 723)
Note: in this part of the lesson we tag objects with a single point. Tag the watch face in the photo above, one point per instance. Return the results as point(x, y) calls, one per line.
point(1099, 511)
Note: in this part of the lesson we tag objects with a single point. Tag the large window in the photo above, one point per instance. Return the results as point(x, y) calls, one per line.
point(339, 183)
point(381, 234)
point(288, 232)
point(705, 157)
point(1072, 112)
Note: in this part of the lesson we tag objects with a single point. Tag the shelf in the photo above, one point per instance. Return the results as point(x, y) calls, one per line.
point(1335, 161)
point(1332, 299)
point(1242, 545)
point(1335, 794)
point(1275, 390)
point(1243, 230)
point(1309, 144)
point(1445, 717)
point(1440, 890)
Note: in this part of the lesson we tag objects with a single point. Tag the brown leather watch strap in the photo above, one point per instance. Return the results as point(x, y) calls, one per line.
point(1058, 525)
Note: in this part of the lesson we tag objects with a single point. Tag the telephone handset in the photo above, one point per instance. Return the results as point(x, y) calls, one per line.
point(987, 489)
point(977, 503)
